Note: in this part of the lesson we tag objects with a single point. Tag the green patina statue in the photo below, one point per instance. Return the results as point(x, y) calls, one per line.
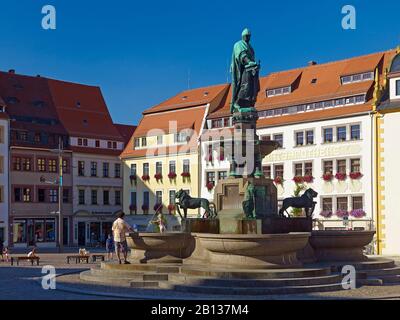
point(248, 203)
point(245, 75)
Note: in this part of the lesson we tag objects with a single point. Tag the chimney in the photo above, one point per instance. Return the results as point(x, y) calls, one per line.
point(12, 71)
point(312, 63)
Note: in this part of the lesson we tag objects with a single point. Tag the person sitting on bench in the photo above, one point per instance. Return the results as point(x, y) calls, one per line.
point(32, 254)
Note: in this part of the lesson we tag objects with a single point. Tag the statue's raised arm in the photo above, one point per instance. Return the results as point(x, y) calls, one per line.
point(245, 74)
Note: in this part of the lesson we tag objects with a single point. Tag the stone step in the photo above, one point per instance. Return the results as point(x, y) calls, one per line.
point(370, 264)
point(132, 275)
point(277, 282)
point(144, 284)
point(379, 272)
point(245, 291)
point(160, 268)
point(205, 271)
point(120, 281)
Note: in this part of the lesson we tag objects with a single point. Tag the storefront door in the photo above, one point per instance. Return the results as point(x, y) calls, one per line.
point(81, 233)
point(65, 231)
point(30, 233)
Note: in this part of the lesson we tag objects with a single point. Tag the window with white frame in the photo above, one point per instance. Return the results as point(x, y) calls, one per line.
point(341, 133)
point(278, 138)
point(397, 87)
point(279, 91)
point(278, 171)
point(366, 76)
point(328, 135)
point(355, 132)
point(267, 171)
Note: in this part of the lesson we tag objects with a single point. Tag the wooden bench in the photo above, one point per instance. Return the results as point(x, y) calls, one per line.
point(31, 259)
point(78, 258)
point(98, 256)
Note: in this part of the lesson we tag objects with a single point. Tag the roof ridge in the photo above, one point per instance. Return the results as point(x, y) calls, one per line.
point(330, 62)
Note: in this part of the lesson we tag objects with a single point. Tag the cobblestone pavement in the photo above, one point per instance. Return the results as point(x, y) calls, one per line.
point(23, 283)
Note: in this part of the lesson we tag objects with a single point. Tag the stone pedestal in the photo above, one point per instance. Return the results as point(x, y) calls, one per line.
point(230, 193)
point(275, 225)
point(198, 225)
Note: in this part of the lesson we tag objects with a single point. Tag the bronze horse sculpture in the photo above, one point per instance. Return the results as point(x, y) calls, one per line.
point(186, 202)
point(306, 201)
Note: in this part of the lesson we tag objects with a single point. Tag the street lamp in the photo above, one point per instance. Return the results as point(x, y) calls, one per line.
point(59, 183)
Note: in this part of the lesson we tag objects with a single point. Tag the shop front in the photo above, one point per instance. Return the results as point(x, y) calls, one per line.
point(40, 232)
point(92, 230)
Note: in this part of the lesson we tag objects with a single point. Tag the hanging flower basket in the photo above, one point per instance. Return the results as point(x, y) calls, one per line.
point(133, 208)
point(298, 179)
point(358, 213)
point(210, 186)
point(171, 208)
point(278, 180)
point(326, 214)
point(158, 176)
point(341, 176)
point(327, 177)
point(355, 175)
point(172, 175)
point(185, 174)
point(308, 179)
point(145, 209)
point(342, 213)
point(133, 177)
point(145, 177)
point(158, 207)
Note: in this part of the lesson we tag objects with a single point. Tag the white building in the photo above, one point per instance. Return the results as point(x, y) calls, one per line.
point(322, 117)
point(388, 155)
point(4, 174)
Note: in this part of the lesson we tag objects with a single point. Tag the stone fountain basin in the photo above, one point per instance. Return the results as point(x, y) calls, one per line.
point(148, 247)
point(340, 245)
point(252, 250)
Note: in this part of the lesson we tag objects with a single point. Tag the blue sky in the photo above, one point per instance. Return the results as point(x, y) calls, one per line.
point(141, 53)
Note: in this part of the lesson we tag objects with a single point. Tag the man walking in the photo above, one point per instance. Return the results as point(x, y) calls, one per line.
point(119, 228)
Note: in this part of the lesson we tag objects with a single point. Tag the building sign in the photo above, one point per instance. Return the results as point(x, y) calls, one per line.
point(312, 153)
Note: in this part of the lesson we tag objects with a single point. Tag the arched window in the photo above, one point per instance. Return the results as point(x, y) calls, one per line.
point(395, 67)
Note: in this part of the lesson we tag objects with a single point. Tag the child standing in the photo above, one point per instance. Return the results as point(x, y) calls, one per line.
point(110, 247)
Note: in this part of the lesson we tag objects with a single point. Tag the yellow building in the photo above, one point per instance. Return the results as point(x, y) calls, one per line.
point(387, 158)
point(162, 156)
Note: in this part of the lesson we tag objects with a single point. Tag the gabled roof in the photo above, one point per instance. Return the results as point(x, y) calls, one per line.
point(164, 123)
point(193, 97)
point(327, 84)
point(29, 97)
point(83, 111)
point(126, 131)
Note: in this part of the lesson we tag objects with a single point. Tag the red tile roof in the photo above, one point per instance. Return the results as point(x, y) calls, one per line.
point(83, 111)
point(327, 86)
point(32, 99)
point(190, 118)
point(126, 131)
point(193, 97)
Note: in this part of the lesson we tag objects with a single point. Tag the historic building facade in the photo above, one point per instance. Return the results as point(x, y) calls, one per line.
point(322, 117)
point(35, 134)
point(4, 173)
point(387, 158)
point(95, 142)
point(163, 154)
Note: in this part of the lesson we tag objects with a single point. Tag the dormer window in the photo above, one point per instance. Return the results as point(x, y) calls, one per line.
point(12, 100)
point(78, 104)
point(279, 91)
point(366, 76)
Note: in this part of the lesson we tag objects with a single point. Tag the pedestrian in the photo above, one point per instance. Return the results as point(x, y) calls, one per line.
point(110, 247)
point(1, 250)
point(119, 228)
point(6, 254)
